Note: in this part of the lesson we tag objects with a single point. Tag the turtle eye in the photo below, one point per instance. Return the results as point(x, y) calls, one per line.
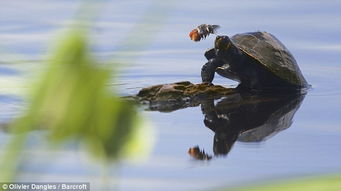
point(222, 43)
point(217, 42)
point(218, 38)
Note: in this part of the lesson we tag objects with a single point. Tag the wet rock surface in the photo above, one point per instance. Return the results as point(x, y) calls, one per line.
point(183, 90)
point(174, 96)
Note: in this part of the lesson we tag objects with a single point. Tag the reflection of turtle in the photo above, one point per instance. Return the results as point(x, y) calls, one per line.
point(248, 118)
point(258, 60)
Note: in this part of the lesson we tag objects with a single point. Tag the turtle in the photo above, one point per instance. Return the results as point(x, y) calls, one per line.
point(257, 60)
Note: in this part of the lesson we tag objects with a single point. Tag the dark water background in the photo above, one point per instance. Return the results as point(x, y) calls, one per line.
point(311, 146)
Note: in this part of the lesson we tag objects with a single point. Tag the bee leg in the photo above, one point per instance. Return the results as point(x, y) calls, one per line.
point(208, 70)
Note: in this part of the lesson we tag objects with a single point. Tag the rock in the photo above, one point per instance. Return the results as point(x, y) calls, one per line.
point(174, 96)
point(182, 91)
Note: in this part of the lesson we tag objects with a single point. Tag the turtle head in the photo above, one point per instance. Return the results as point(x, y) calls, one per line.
point(222, 43)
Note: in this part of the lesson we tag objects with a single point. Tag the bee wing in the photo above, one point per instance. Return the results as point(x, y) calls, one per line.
point(214, 28)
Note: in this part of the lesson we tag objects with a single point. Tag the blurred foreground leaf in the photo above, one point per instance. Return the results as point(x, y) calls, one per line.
point(328, 183)
point(73, 102)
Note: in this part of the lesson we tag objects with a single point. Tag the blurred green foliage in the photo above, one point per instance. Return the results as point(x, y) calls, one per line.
point(326, 183)
point(72, 99)
point(73, 102)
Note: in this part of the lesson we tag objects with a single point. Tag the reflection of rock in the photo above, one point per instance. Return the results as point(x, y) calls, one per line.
point(170, 97)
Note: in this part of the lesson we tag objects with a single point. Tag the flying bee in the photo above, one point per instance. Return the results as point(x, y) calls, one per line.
point(202, 31)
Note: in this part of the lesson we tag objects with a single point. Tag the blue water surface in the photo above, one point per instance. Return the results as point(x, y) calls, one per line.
point(310, 146)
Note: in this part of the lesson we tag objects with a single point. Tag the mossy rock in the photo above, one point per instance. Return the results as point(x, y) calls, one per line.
point(182, 90)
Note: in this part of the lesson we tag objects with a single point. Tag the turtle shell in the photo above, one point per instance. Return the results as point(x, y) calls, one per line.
point(272, 54)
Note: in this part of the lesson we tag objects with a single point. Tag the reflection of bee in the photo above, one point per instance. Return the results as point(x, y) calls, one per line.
point(196, 153)
point(202, 31)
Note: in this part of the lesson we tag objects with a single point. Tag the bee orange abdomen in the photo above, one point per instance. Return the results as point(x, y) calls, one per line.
point(194, 35)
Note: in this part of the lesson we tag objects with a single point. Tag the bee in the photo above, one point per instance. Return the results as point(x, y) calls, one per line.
point(202, 31)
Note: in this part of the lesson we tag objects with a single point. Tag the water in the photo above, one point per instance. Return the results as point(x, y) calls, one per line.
point(310, 146)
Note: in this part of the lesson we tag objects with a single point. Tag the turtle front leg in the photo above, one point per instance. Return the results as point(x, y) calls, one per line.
point(210, 54)
point(208, 70)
